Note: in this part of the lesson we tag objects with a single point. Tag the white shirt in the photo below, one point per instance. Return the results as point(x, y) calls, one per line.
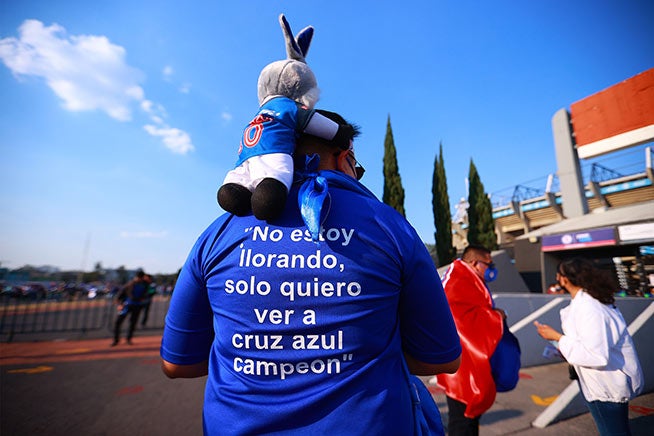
point(596, 342)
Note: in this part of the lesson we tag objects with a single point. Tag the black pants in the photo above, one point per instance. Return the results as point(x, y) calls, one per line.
point(146, 311)
point(133, 310)
point(458, 424)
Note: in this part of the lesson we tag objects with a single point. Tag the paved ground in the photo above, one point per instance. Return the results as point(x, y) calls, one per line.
point(85, 387)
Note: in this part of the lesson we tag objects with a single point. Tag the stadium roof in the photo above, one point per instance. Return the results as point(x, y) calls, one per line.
point(631, 214)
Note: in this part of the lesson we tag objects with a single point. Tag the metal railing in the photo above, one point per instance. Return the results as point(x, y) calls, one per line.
point(624, 164)
point(20, 315)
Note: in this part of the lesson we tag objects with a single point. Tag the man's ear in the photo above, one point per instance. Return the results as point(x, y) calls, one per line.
point(342, 163)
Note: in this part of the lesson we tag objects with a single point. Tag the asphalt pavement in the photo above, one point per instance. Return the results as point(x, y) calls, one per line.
point(83, 386)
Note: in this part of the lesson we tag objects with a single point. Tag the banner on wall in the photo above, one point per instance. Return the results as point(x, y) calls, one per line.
point(582, 239)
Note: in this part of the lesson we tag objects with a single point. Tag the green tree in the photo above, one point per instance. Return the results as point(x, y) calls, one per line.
point(440, 202)
point(393, 190)
point(431, 248)
point(481, 227)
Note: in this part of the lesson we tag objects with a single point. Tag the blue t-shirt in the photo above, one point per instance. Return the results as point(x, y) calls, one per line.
point(139, 289)
point(274, 129)
point(306, 338)
point(137, 293)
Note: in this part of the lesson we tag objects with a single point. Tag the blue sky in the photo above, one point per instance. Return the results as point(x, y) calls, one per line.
point(118, 120)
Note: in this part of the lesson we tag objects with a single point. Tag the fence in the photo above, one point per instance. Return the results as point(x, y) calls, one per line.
point(20, 315)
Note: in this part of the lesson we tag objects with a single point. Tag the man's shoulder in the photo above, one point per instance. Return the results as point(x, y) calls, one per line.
point(457, 275)
point(456, 268)
point(219, 225)
point(367, 203)
point(354, 192)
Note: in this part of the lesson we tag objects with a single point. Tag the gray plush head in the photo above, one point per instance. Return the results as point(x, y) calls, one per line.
point(292, 77)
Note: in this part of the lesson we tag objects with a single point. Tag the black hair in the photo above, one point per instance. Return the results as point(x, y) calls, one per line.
point(310, 144)
point(598, 283)
point(474, 250)
point(344, 143)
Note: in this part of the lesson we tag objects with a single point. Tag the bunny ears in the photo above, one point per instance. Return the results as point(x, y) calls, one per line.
point(298, 47)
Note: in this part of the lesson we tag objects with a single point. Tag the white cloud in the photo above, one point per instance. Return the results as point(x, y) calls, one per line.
point(147, 105)
point(185, 88)
point(156, 111)
point(143, 235)
point(176, 140)
point(226, 116)
point(87, 72)
point(168, 72)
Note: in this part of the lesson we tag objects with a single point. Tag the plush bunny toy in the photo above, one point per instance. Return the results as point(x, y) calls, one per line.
point(287, 92)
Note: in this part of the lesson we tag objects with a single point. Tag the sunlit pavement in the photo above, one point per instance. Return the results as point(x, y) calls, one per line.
point(29, 353)
point(88, 387)
point(513, 412)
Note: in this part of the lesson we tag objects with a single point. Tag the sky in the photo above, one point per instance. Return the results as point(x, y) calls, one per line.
point(119, 120)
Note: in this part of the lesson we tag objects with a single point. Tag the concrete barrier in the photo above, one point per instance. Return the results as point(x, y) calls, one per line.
point(524, 309)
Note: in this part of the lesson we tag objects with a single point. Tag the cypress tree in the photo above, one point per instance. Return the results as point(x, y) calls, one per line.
point(440, 202)
point(481, 227)
point(393, 190)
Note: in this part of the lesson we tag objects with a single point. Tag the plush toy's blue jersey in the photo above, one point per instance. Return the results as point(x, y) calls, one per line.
point(305, 338)
point(274, 129)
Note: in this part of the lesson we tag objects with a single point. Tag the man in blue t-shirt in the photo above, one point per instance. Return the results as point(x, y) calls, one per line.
point(130, 302)
point(300, 336)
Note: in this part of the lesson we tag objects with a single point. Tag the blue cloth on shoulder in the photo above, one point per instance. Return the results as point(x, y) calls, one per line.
point(312, 195)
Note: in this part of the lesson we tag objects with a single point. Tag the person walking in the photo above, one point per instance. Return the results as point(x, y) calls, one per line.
point(312, 330)
point(471, 390)
point(147, 300)
point(130, 301)
point(596, 342)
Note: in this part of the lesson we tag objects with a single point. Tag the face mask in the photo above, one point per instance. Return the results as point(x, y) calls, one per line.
point(490, 274)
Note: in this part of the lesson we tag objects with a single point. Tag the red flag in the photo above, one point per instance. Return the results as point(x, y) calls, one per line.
point(480, 329)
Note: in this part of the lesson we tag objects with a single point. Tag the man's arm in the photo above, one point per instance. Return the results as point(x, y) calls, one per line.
point(422, 368)
point(188, 332)
point(185, 371)
point(120, 297)
point(427, 327)
point(501, 312)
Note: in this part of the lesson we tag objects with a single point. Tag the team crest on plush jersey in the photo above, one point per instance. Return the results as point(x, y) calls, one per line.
point(253, 132)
